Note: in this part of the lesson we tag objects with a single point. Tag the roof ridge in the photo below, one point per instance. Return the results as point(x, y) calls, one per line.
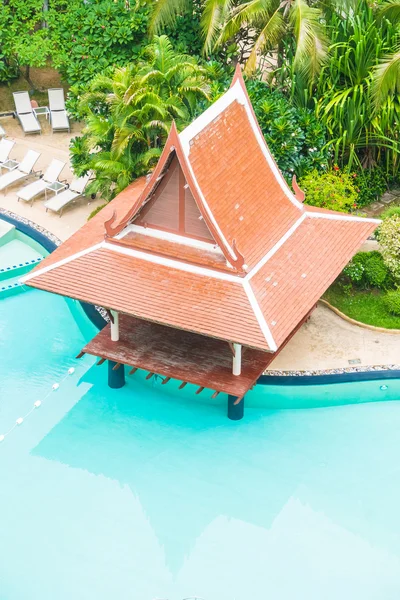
point(259, 315)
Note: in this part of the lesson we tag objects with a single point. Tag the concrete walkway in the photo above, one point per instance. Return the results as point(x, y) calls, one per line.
point(329, 342)
point(50, 146)
point(325, 342)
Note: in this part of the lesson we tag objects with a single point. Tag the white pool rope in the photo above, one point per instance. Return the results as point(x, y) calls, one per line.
point(36, 405)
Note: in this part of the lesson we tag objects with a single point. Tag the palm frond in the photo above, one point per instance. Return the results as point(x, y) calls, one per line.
point(311, 40)
point(165, 13)
point(386, 79)
point(269, 36)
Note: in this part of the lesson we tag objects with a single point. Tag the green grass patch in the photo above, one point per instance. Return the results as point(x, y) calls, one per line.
point(366, 306)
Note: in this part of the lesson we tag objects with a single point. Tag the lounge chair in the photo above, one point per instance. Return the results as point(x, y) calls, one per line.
point(58, 114)
point(25, 114)
point(2, 132)
point(30, 191)
point(5, 149)
point(75, 190)
point(24, 169)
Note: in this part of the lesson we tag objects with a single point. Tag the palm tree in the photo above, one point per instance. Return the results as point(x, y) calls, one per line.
point(129, 114)
point(268, 21)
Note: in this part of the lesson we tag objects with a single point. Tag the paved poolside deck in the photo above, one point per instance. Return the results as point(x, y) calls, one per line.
point(50, 146)
point(325, 342)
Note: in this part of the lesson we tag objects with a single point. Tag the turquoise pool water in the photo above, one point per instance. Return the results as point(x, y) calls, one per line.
point(137, 493)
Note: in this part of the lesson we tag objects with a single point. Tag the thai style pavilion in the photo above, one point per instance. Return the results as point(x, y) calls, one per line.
point(209, 266)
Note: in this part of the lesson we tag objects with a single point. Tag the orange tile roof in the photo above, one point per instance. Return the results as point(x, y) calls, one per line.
point(206, 305)
point(281, 254)
point(296, 276)
point(243, 193)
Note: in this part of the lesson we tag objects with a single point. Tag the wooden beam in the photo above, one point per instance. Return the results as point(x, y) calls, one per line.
point(100, 362)
point(80, 354)
point(199, 390)
point(165, 380)
point(232, 347)
point(215, 394)
point(117, 366)
point(132, 371)
point(238, 400)
point(150, 375)
point(182, 385)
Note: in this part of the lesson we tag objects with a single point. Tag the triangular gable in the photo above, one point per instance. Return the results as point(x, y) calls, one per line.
point(173, 208)
point(173, 147)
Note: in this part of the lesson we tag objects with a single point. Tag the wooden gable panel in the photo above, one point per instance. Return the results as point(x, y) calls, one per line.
point(163, 211)
point(194, 223)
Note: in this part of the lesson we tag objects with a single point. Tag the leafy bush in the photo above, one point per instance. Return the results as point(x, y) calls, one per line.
point(371, 184)
point(91, 36)
point(368, 269)
point(392, 302)
point(389, 241)
point(355, 270)
point(294, 135)
point(375, 271)
point(393, 211)
point(334, 190)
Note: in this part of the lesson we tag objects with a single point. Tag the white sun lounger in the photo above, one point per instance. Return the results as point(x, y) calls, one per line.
point(75, 190)
point(51, 175)
point(58, 114)
point(25, 114)
point(5, 149)
point(24, 169)
point(2, 132)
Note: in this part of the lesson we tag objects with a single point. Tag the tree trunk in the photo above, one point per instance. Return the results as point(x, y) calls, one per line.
point(26, 75)
point(45, 10)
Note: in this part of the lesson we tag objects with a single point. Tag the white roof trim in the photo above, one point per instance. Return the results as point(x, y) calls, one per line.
point(275, 248)
point(237, 93)
point(206, 118)
point(59, 263)
point(170, 237)
point(172, 263)
point(259, 316)
point(343, 217)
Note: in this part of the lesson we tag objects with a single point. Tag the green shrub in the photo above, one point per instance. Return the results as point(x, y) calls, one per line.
point(392, 302)
point(89, 37)
point(393, 211)
point(368, 269)
point(389, 241)
point(334, 190)
point(296, 138)
point(376, 273)
point(355, 270)
point(371, 184)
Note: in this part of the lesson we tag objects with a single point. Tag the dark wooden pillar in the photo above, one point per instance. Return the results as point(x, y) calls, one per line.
point(116, 377)
point(235, 411)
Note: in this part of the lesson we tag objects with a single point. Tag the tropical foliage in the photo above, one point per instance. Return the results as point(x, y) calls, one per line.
point(295, 137)
point(129, 114)
point(334, 190)
point(89, 37)
point(389, 241)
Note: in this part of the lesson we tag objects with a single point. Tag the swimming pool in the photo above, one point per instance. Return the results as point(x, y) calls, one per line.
point(134, 493)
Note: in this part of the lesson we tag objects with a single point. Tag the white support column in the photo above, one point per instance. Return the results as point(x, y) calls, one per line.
point(237, 359)
point(115, 326)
